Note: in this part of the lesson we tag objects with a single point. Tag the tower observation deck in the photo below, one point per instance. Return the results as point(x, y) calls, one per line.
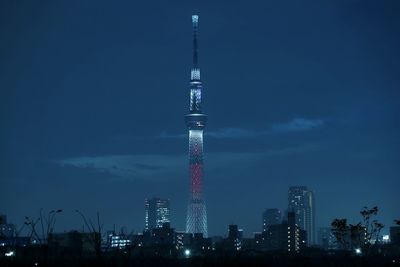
point(196, 220)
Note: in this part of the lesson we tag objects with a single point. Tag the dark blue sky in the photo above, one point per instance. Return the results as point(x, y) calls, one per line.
point(93, 94)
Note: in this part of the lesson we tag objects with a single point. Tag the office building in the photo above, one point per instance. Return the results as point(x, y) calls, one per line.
point(271, 217)
point(7, 230)
point(301, 201)
point(157, 212)
point(235, 236)
point(325, 238)
point(395, 235)
point(285, 236)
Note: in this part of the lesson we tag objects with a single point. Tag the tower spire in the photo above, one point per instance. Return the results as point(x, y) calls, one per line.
point(195, 73)
point(195, 24)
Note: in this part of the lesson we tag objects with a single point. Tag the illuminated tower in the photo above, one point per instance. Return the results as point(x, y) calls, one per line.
point(196, 220)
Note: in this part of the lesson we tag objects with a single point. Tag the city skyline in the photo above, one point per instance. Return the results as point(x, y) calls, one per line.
point(92, 97)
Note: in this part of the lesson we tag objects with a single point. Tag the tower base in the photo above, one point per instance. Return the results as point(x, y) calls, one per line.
point(196, 220)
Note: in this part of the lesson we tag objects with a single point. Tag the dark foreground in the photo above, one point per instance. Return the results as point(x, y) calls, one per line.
point(248, 261)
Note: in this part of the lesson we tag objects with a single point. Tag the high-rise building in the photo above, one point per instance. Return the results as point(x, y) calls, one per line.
point(302, 203)
point(325, 238)
point(156, 213)
point(235, 236)
point(196, 220)
point(395, 235)
point(271, 217)
point(284, 236)
point(7, 230)
point(3, 219)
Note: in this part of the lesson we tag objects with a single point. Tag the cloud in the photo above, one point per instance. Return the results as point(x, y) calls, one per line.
point(234, 133)
point(295, 125)
point(129, 166)
point(158, 167)
point(173, 136)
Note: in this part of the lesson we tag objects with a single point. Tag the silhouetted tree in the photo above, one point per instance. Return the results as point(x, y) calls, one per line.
point(48, 223)
point(340, 231)
point(31, 223)
point(94, 234)
point(47, 226)
point(359, 235)
point(377, 227)
point(367, 213)
point(372, 227)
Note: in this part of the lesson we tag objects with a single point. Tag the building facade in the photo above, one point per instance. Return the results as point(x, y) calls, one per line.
point(196, 220)
point(325, 238)
point(234, 238)
point(157, 212)
point(301, 201)
point(395, 235)
point(73, 244)
point(271, 217)
point(285, 236)
point(3, 219)
point(7, 230)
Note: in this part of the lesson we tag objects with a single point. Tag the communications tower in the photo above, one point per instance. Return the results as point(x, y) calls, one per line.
point(196, 220)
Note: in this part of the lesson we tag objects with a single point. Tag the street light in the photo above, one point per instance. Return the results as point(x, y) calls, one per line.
point(187, 252)
point(9, 254)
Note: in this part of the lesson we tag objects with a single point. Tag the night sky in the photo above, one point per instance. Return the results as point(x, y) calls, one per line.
point(93, 96)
